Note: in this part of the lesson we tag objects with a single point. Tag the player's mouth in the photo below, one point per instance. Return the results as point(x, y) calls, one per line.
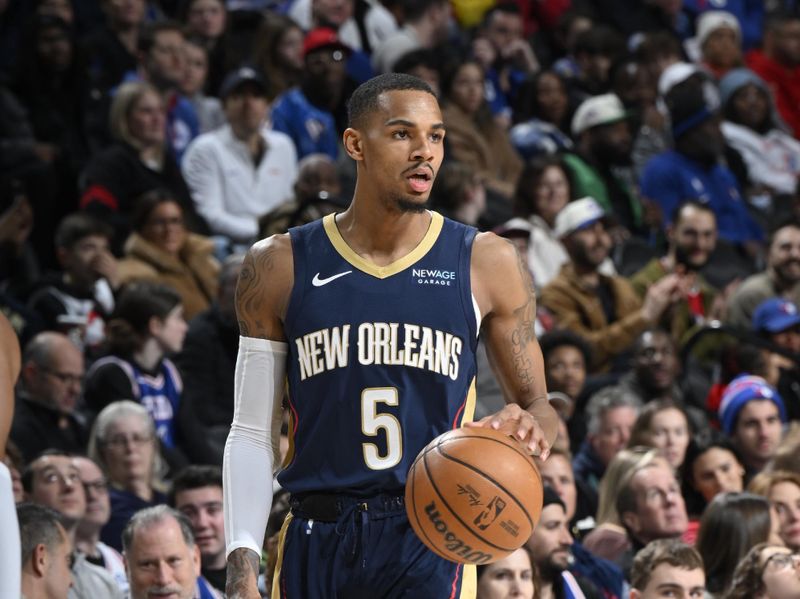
point(420, 179)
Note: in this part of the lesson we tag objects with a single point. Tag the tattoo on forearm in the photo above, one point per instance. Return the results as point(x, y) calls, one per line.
point(524, 332)
point(250, 290)
point(242, 573)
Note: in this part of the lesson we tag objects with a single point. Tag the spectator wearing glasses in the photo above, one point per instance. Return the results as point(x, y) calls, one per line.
point(768, 571)
point(161, 250)
point(52, 480)
point(46, 415)
point(98, 511)
point(123, 443)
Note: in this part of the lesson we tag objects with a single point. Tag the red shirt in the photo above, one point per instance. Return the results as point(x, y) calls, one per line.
point(784, 83)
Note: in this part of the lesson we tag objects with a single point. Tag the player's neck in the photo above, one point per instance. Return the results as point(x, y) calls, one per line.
point(380, 235)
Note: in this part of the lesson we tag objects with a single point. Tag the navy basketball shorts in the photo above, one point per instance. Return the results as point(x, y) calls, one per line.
point(359, 548)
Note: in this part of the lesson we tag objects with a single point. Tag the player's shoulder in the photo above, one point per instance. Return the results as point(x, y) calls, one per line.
point(491, 251)
point(272, 253)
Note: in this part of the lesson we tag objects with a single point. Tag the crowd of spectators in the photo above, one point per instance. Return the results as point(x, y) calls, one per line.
point(642, 155)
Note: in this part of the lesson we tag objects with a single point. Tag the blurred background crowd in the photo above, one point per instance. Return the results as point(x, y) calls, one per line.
point(643, 155)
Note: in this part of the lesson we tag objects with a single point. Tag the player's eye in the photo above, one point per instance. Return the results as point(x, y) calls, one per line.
point(401, 134)
point(436, 137)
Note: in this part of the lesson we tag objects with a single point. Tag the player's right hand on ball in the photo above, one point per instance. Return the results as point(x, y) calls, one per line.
point(519, 424)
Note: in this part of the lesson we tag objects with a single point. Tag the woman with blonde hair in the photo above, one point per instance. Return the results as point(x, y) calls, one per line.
point(782, 489)
point(609, 539)
point(124, 443)
point(138, 161)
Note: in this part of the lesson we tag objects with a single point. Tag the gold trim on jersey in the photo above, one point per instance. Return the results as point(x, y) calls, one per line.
point(276, 577)
point(469, 406)
point(469, 582)
point(382, 272)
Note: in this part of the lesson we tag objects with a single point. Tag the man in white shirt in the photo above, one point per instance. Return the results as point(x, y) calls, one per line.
point(242, 170)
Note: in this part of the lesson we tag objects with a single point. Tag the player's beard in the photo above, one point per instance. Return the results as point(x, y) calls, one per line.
point(406, 205)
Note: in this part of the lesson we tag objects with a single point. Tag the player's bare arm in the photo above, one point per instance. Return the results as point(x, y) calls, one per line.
point(504, 290)
point(9, 369)
point(262, 296)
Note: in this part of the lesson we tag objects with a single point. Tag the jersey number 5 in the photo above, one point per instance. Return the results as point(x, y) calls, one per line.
point(372, 422)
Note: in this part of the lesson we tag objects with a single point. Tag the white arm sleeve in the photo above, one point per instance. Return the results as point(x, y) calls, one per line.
point(10, 569)
point(251, 449)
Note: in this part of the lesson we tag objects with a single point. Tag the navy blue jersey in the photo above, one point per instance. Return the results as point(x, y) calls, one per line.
point(381, 359)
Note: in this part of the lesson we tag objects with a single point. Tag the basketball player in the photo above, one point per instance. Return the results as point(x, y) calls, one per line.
point(10, 568)
point(373, 316)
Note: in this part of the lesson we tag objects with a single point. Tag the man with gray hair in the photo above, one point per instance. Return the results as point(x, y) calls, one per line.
point(161, 556)
point(610, 415)
point(46, 553)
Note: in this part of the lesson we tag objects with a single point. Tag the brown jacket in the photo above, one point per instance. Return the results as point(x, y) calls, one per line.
point(578, 308)
point(193, 276)
point(489, 153)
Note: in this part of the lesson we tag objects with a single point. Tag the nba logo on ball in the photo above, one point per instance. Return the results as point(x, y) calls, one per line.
point(473, 495)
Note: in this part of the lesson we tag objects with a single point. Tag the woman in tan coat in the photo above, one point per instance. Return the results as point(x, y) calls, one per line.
point(161, 249)
point(473, 136)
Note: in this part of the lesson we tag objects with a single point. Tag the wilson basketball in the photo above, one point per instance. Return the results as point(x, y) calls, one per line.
point(473, 495)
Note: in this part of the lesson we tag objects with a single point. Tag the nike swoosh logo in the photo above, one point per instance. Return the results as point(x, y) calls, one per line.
point(317, 282)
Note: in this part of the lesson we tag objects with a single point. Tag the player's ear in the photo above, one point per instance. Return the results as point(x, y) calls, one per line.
point(353, 144)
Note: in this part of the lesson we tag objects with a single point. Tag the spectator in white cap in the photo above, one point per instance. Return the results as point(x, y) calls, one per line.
point(719, 42)
point(603, 146)
point(604, 310)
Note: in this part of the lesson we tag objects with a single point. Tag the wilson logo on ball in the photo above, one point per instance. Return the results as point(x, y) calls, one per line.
point(452, 542)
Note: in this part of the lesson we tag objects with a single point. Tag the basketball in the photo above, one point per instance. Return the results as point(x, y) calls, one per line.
point(473, 495)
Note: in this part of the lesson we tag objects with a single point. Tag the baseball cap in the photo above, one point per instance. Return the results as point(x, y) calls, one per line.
point(598, 110)
point(711, 20)
point(674, 74)
point(516, 227)
point(775, 315)
point(578, 215)
point(690, 104)
point(742, 389)
point(322, 37)
point(240, 76)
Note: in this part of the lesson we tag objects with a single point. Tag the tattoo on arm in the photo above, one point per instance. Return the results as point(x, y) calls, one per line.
point(524, 333)
point(250, 290)
point(242, 573)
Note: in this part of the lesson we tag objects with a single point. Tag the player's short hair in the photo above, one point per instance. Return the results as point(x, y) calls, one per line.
point(154, 515)
point(364, 100)
point(38, 525)
point(663, 551)
point(77, 226)
point(196, 477)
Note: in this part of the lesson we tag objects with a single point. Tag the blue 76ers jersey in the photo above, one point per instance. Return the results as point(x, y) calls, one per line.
point(381, 359)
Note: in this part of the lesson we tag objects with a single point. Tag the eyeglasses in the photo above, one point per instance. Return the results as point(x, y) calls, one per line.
point(65, 377)
point(780, 561)
point(119, 441)
point(98, 486)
